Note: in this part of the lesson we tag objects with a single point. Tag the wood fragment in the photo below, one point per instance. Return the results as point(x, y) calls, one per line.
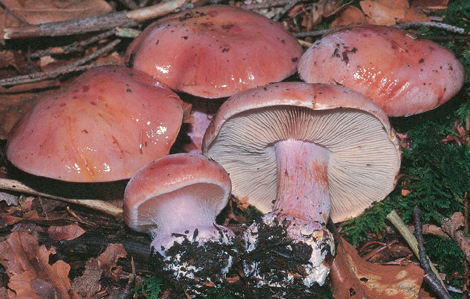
point(435, 25)
point(93, 24)
point(395, 219)
point(95, 204)
point(431, 278)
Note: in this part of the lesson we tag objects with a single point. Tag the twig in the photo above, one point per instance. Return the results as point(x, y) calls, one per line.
point(95, 204)
point(285, 9)
point(430, 277)
point(74, 47)
point(95, 23)
point(311, 33)
point(409, 238)
point(435, 25)
point(267, 4)
point(75, 66)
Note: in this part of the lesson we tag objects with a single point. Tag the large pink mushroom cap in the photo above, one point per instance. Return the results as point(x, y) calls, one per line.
point(215, 51)
point(402, 74)
point(104, 127)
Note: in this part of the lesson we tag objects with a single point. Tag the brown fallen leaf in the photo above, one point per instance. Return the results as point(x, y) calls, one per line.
point(352, 277)
point(89, 283)
point(35, 12)
point(31, 275)
point(384, 12)
point(350, 15)
point(65, 232)
point(109, 258)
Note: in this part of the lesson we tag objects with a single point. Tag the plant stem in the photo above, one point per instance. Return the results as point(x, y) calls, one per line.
point(395, 219)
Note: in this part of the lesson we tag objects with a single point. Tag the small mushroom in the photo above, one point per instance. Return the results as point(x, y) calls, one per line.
point(213, 52)
point(109, 123)
point(176, 199)
point(295, 151)
point(402, 73)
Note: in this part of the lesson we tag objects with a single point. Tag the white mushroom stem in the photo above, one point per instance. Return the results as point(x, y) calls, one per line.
point(180, 216)
point(302, 181)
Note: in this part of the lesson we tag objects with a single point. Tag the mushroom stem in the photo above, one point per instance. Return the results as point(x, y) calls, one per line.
point(302, 181)
point(175, 223)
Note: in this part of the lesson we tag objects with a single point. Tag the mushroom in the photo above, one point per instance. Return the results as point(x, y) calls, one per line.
point(109, 123)
point(176, 199)
point(400, 72)
point(213, 52)
point(295, 150)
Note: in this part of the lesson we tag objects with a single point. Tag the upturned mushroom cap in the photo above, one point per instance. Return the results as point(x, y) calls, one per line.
point(175, 185)
point(402, 74)
point(104, 127)
point(215, 51)
point(364, 157)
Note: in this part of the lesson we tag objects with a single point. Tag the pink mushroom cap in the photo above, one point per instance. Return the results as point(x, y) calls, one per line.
point(401, 73)
point(177, 194)
point(215, 51)
point(104, 127)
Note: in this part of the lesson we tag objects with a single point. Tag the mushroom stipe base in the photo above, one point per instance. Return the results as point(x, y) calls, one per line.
point(192, 267)
point(283, 252)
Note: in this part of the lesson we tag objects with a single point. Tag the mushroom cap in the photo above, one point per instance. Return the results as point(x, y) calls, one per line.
point(104, 127)
point(364, 156)
point(215, 51)
point(402, 74)
point(170, 177)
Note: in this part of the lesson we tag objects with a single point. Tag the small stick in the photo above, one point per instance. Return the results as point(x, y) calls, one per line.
point(285, 9)
point(75, 66)
point(443, 26)
point(409, 238)
point(267, 4)
point(430, 276)
point(311, 33)
point(95, 23)
point(74, 47)
point(95, 204)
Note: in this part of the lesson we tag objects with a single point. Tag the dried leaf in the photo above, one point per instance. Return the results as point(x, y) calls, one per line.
point(67, 232)
point(12, 107)
point(36, 12)
point(351, 15)
point(109, 258)
point(413, 15)
point(9, 198)
point(384, 12)
point(352, 277)
point(27, 265)
point(89, 283)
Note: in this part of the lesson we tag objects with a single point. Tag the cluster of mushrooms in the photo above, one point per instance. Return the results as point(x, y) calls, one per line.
point(300, 152)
